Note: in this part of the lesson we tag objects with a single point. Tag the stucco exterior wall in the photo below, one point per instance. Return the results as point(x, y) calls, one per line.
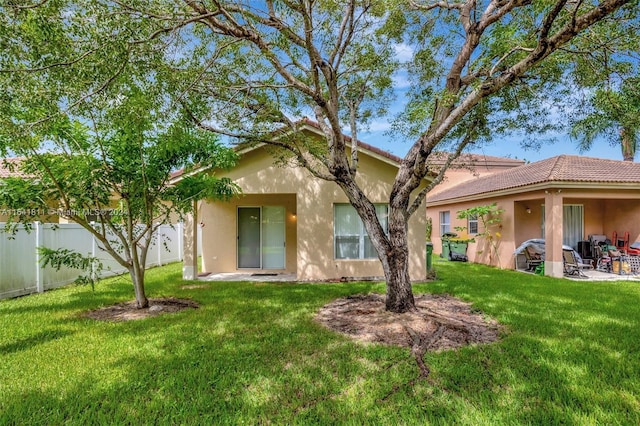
point(481, 250)
point(604, 212)
point(476, 167)
point(309, 218)
point(219, 229)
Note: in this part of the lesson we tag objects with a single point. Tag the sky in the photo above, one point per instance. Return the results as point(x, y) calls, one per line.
point(508, 147)
point(505, 147)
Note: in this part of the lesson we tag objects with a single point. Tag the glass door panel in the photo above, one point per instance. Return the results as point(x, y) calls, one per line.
point(249, 237)
point(273, 232)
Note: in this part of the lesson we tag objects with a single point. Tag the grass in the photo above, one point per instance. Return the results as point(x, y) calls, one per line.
point(252, 354)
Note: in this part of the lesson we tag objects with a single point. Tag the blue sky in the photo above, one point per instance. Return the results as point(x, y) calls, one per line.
point(508, 147)
point(504, 147)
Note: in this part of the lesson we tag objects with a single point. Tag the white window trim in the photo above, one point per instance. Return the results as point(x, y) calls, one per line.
point(362, 235)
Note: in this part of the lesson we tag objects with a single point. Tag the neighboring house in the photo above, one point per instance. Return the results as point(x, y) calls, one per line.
point(52, 212)
point(9, 167)
point(563, 199)
point(288, 221)
point(468, 167)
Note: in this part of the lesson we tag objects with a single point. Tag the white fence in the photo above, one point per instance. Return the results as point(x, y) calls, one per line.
point(21, 271)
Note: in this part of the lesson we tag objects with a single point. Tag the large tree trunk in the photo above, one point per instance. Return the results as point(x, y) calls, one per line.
point(395, 263)
point(393, 249)
point(396, 271)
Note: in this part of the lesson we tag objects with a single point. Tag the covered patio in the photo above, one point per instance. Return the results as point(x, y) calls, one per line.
point(562, 200)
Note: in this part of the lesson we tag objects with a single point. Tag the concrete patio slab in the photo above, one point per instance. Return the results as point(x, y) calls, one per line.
point(594, 275)
point(247, 276)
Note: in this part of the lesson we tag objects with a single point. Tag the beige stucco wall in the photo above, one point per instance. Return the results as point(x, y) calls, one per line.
point(44, 218)
point(309, 234)
point(480, 251)
point(474, 169)
point(219, 230)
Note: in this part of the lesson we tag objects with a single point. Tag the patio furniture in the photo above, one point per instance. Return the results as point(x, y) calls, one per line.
point(634, 249)
point(572, 265)
point(603, 262)
point(621, 243)
point(597, 240)
point(619, 262)
point(533, 258)
point(634, 263)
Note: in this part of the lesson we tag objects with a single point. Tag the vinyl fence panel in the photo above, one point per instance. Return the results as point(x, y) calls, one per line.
point(18, 275)
point(65, 236)
point(20, 266)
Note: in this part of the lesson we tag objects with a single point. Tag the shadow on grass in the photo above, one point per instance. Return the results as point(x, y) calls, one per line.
point(253, 354)
point(30, 342)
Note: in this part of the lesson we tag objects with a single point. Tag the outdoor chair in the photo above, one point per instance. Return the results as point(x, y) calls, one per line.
point(621, 244)
point(533, 258)
point(572, 265)
point(603, 260)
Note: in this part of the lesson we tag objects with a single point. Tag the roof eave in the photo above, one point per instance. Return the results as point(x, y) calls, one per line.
point(306, 125)
point(537, 187)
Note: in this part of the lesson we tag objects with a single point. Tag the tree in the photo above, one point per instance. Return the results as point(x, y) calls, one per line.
point(604, 103)
point(101, 158)
point(248, 69)
point(490, 217)
point(615, 115)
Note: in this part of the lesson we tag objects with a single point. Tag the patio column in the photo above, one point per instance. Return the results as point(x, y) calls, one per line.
point(553, 233)
point(190, 238)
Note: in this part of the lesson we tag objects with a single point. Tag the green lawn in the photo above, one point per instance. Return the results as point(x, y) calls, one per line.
point(252, 354)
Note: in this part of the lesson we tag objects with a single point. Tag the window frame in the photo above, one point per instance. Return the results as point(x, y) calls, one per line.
point(472, 220)
point(444, 222)
point(363, 238)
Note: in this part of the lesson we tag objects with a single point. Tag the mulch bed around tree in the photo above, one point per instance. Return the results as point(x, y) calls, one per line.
point(128, 311)
point(440, 322)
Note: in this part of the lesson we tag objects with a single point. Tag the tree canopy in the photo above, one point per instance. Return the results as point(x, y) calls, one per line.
point(97, 134)
point(245, 69)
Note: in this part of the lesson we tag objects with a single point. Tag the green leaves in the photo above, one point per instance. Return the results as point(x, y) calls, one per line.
point(91, 99)
point(70, 259)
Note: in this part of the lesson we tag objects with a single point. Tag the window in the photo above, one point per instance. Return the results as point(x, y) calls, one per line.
point(445, 222)
point(349, 235)
point(572, 224)
point(472, 224)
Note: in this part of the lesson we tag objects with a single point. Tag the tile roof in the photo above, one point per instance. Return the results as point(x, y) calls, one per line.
point(475, 160)
point(560, 169)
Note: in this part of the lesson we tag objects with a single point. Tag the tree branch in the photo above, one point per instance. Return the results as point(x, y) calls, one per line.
point(50, 66)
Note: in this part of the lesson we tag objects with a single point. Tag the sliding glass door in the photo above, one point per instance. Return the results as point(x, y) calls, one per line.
point(261, 237)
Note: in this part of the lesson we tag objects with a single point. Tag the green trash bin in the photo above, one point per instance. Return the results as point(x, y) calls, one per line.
point(429, 253)
point(446, 243)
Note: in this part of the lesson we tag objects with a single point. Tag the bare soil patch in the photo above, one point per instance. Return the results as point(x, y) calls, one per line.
point(440, 322)
point(128, 311)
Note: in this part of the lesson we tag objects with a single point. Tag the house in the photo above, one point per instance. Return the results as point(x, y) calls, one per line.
point(289, 222)
point(10, 168)
point(53, 209)
point(562, 199)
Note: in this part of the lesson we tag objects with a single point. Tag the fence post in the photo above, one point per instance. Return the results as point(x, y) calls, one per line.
point(39, 270)
point(159, 243)
point(180, 242)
